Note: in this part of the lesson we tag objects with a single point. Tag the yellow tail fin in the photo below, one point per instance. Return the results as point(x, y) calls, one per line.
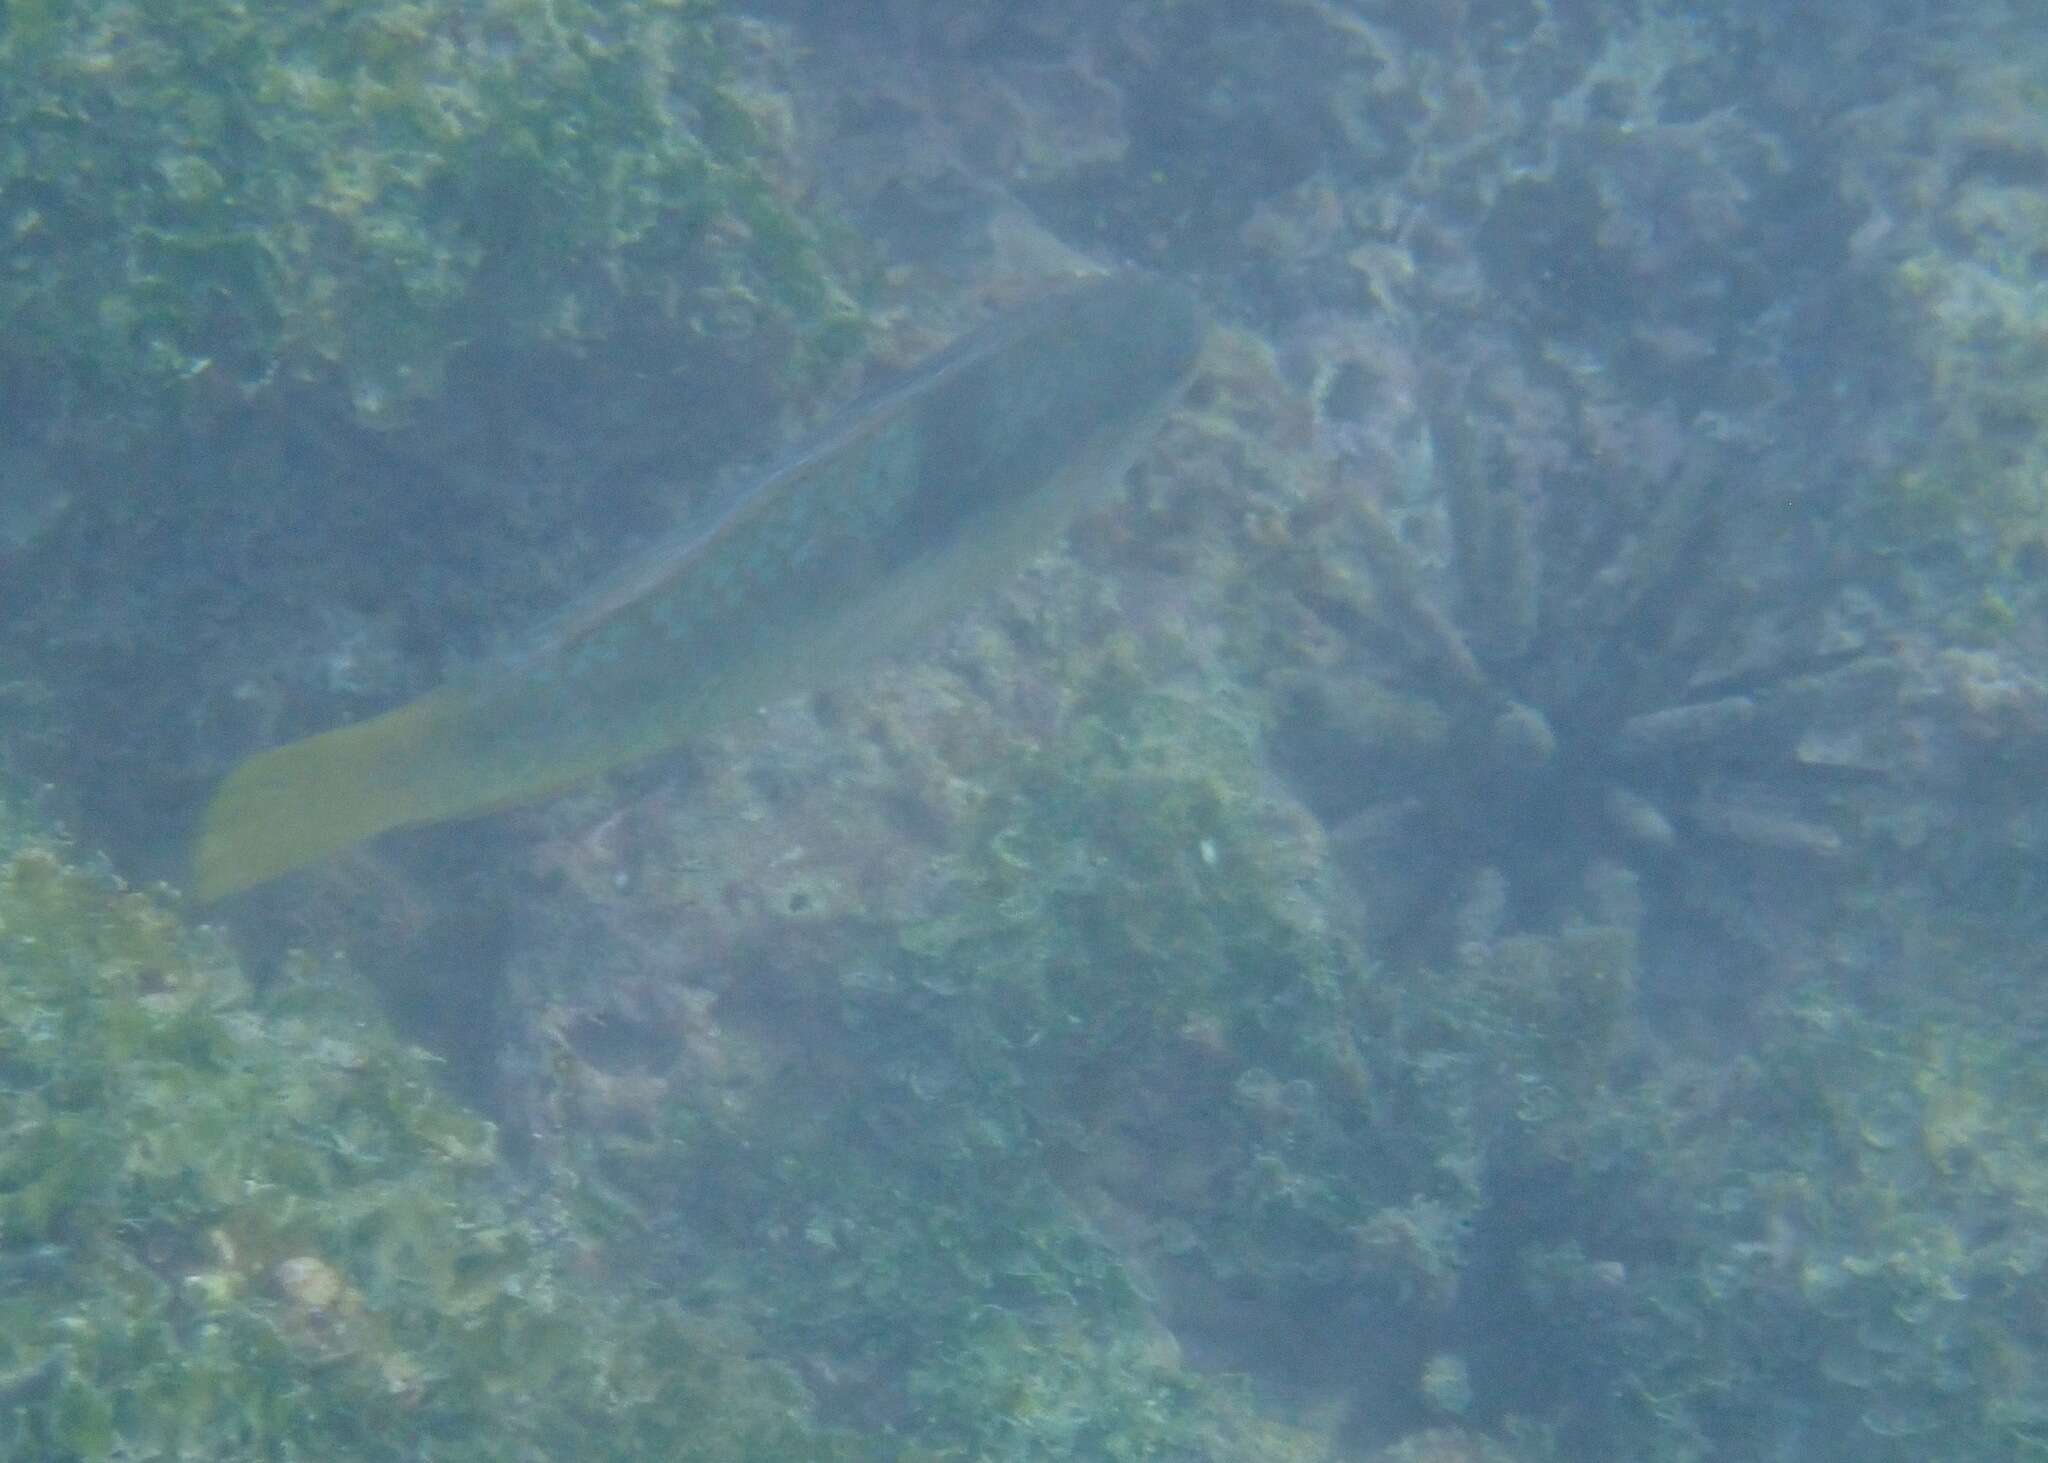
point(284, 808)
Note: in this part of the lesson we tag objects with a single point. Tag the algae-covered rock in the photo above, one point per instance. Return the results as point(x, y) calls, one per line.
point(882, 1118)
point(1948, 171)
point(234, 1229)
point(1833, 1238)
point(1036, 1136)
point(343, 340)
point(233, 196)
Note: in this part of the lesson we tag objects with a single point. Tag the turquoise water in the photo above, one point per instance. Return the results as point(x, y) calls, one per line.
point(1483, 903)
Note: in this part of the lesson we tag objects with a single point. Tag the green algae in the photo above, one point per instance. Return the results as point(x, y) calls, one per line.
point(218, 198)
point(1034, 1168)
point(238, 1228)
point(1131, 1090)
point(1971, 308)
point(906, 1181)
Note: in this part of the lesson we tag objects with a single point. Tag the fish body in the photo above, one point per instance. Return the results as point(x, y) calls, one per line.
point(883, 523)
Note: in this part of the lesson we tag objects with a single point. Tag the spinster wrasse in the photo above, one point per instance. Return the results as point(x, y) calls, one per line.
point(893, 516)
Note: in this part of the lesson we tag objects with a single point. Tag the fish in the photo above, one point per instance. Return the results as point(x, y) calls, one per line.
point(887, 521)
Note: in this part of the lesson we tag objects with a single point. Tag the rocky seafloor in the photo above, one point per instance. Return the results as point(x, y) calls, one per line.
point(1484, 907)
